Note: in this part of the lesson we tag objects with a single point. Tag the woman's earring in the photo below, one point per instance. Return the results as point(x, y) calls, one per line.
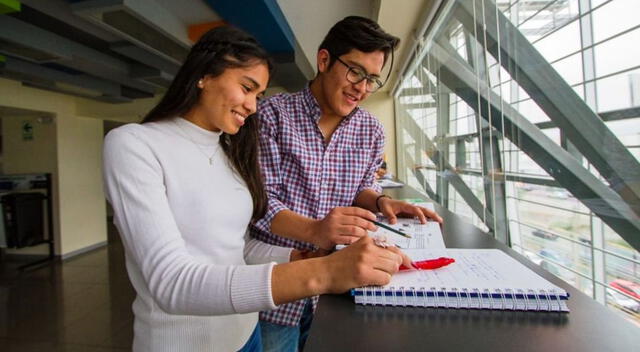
point(200, 84)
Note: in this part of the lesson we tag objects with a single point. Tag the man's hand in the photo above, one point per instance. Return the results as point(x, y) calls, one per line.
point(392, 208)
point(343, 225)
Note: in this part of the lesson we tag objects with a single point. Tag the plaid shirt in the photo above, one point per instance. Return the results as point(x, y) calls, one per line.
point(308, 176)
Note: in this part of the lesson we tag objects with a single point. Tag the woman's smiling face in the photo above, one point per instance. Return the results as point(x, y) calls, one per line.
point(227, 100)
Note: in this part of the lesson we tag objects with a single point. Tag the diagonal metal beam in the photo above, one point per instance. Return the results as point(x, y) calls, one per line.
point(421, 179)
point(441, 161)
point(494, 185)
point(602, 200)
point(557, 99)
point(443, 101)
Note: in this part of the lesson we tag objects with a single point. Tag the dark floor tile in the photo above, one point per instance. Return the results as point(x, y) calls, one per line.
point(84, 348)
point(122, 338)
point(81, 304)
point(98, 257)
point(98, 328)
point(26, 346)
point(12, 345)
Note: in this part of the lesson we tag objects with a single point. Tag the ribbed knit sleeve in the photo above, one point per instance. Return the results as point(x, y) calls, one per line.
point(177, 282)
point(258, 252)
point(245, 295)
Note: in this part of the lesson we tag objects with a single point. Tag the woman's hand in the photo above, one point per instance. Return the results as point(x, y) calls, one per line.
point(363, 263)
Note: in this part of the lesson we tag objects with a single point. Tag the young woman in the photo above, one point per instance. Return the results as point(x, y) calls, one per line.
point(184, 186)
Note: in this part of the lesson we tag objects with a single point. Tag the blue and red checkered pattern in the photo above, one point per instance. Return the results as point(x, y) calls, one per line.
point(307, 176)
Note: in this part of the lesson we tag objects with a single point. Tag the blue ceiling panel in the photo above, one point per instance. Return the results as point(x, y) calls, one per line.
point(262, 18)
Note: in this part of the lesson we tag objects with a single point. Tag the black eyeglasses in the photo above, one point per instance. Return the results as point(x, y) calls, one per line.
point(356, 75)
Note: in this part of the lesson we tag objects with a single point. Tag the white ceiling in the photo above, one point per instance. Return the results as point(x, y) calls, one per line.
point(310, 20)
point(190, 12)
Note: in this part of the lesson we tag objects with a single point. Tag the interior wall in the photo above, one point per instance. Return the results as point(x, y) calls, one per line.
point(79, 209)
point(380, 104)
point(123, 112)
point(310, 33)
point(37, 155)
point(402, 18)
point(80, 181)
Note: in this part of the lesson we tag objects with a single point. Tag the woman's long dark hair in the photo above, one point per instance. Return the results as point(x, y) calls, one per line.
point(217, 50)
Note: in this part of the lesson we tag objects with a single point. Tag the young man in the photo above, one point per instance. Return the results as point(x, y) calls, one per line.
point(319, 153)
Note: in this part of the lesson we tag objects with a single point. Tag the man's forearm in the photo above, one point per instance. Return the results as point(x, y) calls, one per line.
point(292, 225)
point(367, 200)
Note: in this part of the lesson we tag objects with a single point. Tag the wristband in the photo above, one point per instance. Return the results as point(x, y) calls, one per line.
point(378, 200)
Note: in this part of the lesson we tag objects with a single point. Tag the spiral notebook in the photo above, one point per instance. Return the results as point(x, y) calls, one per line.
point(479, 279)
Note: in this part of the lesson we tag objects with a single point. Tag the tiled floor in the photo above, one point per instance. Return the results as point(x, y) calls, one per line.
point(81, 304)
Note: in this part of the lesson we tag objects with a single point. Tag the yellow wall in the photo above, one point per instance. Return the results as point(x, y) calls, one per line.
point(402, 18)
point(75, 152)
point(28, 156)
point(37, 155)
point(82, 205)
point(381, 106)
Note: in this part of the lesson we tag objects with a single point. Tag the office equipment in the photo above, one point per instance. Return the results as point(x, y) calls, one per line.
point(27, 213)
point(479, 279)
point(23, 219)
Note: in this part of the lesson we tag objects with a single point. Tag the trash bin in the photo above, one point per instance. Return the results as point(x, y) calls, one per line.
point(23, 219)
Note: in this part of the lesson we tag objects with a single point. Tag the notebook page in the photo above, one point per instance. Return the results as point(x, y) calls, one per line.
point(474, 269)
point(426, 235)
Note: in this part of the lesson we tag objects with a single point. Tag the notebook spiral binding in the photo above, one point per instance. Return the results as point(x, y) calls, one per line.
point(500, 299)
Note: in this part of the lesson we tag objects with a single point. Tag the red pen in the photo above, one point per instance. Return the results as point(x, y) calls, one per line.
point(430, 264)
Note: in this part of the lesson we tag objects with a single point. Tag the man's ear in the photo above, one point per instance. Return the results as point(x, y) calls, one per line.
point(323, 59)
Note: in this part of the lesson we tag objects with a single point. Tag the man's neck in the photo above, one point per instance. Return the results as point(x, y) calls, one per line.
point(318, 93)
point(329, 120)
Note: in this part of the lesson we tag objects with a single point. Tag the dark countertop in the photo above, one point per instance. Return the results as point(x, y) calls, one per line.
point(341, 325)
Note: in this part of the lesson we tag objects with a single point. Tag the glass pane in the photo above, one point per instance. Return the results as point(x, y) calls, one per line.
point(560, 43)
point(570, 68)
point(546, 222)
point(628, 131)
point(618, 54)
point(614, 17)
point(540, 18)
point(532, 111)
point(616, 92)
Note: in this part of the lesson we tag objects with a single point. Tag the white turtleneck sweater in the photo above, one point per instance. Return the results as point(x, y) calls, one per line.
point(183, 223)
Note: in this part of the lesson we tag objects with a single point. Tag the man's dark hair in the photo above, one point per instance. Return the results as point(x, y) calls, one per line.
point(355, 32)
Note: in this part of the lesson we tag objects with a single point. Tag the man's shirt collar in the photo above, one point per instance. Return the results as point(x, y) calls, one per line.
point(313, 107)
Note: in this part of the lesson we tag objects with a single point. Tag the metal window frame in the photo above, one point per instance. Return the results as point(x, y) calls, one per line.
point(556, 98)
point(561, 165)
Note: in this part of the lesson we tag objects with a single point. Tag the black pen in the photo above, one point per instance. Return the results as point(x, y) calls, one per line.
point(390, 228)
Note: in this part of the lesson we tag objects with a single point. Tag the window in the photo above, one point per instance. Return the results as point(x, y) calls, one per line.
point(467, 112)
